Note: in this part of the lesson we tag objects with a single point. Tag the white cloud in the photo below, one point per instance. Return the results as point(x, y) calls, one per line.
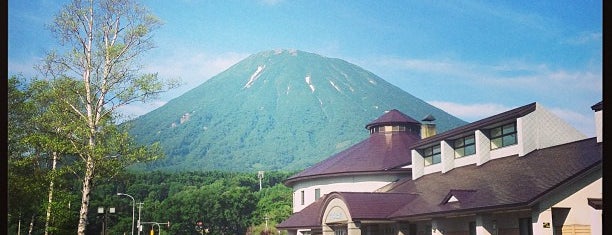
point(192, 68)
point(25, 68)
point(134, 110)
point(508, 74)
point(474, 112)
point(584, 38)
point(470, 112)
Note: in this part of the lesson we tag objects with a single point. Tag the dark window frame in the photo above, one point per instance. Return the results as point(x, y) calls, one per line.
point(504, 135)
point(460, 149)
point(302, 197)
point(430, 152)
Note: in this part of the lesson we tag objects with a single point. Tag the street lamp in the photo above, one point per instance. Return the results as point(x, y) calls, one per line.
point(133, 205)
point(104, 213)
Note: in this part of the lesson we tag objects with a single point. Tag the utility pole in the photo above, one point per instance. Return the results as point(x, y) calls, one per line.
point(260, 175)
point(139, 207)
point(267, 223)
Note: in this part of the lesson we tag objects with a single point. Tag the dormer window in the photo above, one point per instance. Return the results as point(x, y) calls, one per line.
point(464, 146)
point(432, 155)
point(503, 136)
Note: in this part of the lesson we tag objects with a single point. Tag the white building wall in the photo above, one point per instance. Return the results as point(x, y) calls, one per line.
point(575, 197)
point(466, 160)
point(447, 155)
point(369, 183)
point(504, 151)
point(418, 164)
point(542, 129)
point(599, 125)
point(580, 212)
point(483, 148)
point(432, 168)
point(527, 134)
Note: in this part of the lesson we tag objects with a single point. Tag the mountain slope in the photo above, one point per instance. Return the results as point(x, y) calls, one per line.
point(275, 110)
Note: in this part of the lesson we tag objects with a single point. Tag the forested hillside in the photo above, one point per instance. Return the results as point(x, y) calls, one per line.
point(275, 110)
point(227, 203)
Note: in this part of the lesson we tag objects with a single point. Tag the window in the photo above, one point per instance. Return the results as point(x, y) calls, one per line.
point(503, 136)
point(386, 129)
point(472, 228)
point(464, 146)
point(432, 155)
point(525, 226)
point(428, 230)
point(302, 199)
point(317, 193)
point(412, 229)
point(340, 230)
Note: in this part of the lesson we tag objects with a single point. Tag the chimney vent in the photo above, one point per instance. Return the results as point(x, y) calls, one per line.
point(428, 127)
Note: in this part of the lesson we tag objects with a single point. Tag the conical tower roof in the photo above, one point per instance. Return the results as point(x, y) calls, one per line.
point(392, 117)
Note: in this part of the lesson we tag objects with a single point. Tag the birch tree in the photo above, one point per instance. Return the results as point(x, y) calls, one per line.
point(98, 65)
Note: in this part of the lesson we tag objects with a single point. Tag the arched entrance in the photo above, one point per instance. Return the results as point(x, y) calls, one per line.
point(337, 219)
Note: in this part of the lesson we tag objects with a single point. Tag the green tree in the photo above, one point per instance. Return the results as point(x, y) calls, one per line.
point(26, 174)
point(94, 75)
point(273, 206)
point(34, 151)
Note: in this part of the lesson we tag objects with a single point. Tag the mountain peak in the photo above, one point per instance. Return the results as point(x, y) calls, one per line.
point(279, 109)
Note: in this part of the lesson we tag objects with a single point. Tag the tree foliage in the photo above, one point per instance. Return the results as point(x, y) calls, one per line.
point(95, 72)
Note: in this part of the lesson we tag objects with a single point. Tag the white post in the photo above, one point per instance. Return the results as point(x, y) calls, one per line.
point(133, 205)
point(139, 207)
point(260, 175)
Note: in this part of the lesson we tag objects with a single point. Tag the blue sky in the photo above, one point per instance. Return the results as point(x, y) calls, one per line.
point(471, 58)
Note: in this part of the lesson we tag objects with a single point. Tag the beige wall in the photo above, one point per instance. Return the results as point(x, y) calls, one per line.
point(367, 183)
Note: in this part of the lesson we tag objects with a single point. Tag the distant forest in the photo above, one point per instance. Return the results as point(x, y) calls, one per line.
point(225, 202)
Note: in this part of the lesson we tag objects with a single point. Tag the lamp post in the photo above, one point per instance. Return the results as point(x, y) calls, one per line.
point(104, 213)
point(133, 206)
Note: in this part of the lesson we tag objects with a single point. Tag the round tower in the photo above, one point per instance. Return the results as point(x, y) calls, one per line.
point(395, 121)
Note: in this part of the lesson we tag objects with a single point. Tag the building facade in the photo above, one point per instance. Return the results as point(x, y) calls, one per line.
point(524, 171)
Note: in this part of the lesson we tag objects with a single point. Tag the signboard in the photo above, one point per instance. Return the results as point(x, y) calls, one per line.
point(336, 215)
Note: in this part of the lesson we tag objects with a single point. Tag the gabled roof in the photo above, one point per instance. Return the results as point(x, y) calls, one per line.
point(458, 195)
point(392, 117)
point(505, 182)
point(378, 153)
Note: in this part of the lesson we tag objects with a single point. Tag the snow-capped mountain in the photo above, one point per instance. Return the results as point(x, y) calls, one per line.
point(275, 110)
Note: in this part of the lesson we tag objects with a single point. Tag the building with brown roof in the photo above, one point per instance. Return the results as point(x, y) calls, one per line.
point(524, 171)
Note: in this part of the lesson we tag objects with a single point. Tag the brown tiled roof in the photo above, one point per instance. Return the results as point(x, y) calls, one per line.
point(379, 152)
point(307, 218)
point(374, 206)
point(361, 205)
point(506, 182)
point(391, 117)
